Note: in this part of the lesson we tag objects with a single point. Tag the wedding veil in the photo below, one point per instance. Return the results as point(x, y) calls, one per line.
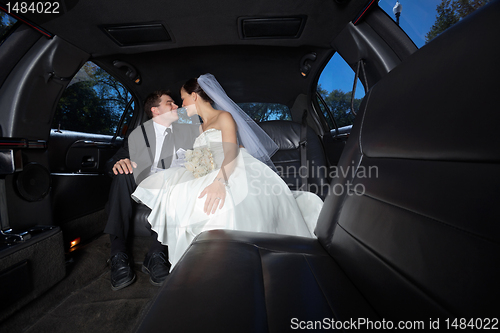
point(251, 136)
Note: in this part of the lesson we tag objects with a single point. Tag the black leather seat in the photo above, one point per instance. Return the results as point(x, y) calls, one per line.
point(286, 134)
point(419, 240)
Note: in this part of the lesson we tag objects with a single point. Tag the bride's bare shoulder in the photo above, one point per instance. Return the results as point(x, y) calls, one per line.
point(223, 121)
point(224, 117)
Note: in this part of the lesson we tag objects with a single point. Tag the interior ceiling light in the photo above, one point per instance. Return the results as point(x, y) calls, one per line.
point(131, 72)
point(138, 34)
point(305, 63)
point(271, 27)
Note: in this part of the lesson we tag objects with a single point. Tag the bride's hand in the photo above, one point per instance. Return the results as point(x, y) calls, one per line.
point(216, 196)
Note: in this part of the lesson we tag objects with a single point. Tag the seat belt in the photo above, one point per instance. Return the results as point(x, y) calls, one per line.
point(147, 144)
point(303, 153)
point(361, 63)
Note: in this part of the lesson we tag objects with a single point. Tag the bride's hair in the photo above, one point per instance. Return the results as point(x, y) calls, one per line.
point(192, 86)
point(250, 135)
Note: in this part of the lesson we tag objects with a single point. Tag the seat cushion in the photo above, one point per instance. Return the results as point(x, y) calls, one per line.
point(253, 282)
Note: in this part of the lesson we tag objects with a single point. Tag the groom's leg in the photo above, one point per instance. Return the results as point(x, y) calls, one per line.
point(156, 263)
point(156, 246)
point(119, 215)
point(119, 209)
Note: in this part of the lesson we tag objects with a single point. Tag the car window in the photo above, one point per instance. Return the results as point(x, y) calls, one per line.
point(421, 20)
point(266, 111)
point(94, 102)
point(184, 119)
point(6, 24)
point(424, 20)
point(335, 91)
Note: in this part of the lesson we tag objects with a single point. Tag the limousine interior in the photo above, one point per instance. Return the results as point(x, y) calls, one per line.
point(416, 241)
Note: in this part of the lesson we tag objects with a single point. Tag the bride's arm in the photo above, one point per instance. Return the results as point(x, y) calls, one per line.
point(216, 192)
point(229, 145)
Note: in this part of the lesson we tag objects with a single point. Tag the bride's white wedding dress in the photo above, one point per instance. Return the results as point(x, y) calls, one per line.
point(257, 199)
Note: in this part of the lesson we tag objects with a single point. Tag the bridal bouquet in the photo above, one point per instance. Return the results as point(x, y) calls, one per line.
point(199, 161)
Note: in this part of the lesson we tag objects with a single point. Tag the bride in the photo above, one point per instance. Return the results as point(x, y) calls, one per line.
point(236, 189)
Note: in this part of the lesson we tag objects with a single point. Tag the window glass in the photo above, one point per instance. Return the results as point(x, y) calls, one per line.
point(424, 20)
point(335, 88)
point(184, 119)
point(93, 102)
point(6, 23)
point(266, 111)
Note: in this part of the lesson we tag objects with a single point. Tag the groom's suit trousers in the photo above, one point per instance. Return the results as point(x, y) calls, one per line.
point(120, 209)
point(119, 206)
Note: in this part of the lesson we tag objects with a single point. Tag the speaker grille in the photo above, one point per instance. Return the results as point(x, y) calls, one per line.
point(33, 183)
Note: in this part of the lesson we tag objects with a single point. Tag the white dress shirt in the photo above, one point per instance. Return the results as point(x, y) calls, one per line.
point(160, 134)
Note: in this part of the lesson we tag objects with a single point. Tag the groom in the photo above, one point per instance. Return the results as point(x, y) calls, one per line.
point(152, 147)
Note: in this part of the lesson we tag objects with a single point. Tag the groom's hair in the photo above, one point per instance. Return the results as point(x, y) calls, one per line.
point(153, 100)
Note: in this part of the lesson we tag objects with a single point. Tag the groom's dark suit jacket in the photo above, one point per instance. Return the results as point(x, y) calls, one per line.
point(183, 134)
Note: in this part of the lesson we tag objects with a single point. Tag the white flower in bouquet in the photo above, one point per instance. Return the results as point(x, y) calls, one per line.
point(199, 161)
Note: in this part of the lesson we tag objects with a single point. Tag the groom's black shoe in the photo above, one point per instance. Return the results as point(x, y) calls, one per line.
point(157, 266)
point(121, 272)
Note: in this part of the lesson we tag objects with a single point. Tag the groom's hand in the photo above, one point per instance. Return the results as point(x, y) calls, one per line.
point(123, 166)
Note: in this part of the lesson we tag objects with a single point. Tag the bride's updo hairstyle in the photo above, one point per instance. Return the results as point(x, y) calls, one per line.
point(192, 86)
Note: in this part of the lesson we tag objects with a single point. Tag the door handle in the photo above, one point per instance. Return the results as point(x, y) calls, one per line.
point(88, 162)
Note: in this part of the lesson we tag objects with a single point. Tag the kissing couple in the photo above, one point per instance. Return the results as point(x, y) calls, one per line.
point(225, 181)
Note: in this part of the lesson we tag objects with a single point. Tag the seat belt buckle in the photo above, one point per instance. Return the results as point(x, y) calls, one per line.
point(303, 143)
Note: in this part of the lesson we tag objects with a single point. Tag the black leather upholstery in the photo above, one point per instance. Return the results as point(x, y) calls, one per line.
point(286, 134)
point(233, 281)
point(426, 225)
point(420, 239)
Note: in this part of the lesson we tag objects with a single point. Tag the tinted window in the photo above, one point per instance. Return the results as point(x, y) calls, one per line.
point(266, 111)
point(184, 119)
point(6, 23)
point(335, 88)
point(424, 20)
point(93, 102)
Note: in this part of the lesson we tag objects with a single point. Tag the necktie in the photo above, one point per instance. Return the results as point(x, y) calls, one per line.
point(167, 150)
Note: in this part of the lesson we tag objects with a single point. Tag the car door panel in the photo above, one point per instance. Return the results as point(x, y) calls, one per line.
point(89, 156)
point(80, 184)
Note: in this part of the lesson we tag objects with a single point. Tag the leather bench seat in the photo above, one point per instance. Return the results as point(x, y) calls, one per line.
point(259, 283)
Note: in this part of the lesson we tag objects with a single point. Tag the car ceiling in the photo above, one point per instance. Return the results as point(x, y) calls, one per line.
point(206, 38)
